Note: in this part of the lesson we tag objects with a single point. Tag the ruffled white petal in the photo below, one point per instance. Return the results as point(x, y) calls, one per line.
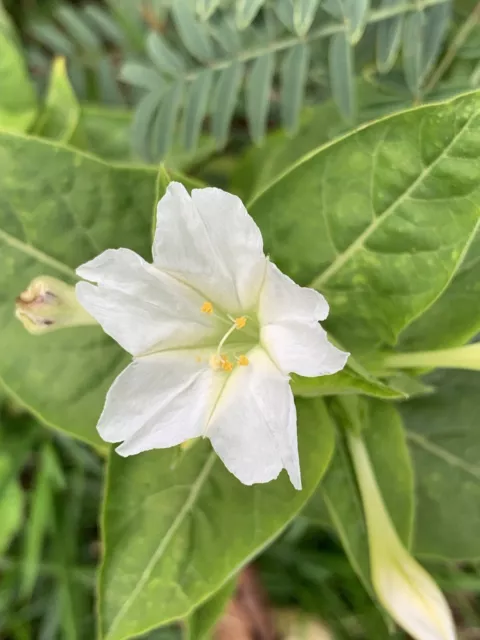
point(282, 299)
point(142, 308)
point(302, 348)
point(210, 241)
point(159, 401)
point(254, 426)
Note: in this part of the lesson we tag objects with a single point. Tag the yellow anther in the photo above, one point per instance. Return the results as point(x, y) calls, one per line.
point(207, 307)
point(226, 364)
point(240, 322)
point(243, 361)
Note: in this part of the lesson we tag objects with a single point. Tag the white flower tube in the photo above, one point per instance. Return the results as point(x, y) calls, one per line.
point(403, 587)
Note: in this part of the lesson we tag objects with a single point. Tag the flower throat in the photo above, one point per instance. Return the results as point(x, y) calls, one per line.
point(240, 337)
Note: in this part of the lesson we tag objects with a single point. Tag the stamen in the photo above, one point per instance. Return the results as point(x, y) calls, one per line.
point(218, 361)
point(207, 307)
point(226, 364)
point(240, 322)
point(243, 361)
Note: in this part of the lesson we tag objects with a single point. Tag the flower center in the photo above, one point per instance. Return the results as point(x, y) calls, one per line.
point(240, 337)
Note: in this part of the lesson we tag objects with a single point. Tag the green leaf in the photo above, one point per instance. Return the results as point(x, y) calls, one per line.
point(225, 100)
point(389, 38)
point(203, 620)
point(380, 233)
point(46, 190)
point(342, 81)
point(436, 26)
point(196, 108)
point(294, 80)
point(454, 318)
point(11, 503)
point(193, 33)
point(18, 102)
point(412, 50)
point(77, 28)
point(146, 114)
point(304, 15)
point(61, 112)
point(345, 382)
point(245, 12)
point(105, 24)
point(206, 8)
point(163, 56)
point(39, 520)
point(142, 76)
point(186, 525)
point(165, 121)
point(352, 12)
point(385, 439)
point(444, 439)
point(258, 90)
point(52, 39)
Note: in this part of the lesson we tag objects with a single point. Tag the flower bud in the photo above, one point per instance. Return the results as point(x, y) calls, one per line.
point(402, 586)
point(49, 304)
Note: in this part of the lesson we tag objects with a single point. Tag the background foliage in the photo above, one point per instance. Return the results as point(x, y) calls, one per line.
point(92, 96)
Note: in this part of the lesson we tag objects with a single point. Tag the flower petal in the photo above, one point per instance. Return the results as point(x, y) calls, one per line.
point(282, 299)
point(142, 308)
point(302, 348)
point(159, 401)
point(210, 241)
point(254, 425)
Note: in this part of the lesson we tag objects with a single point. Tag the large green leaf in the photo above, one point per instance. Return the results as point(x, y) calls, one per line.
point(444, 437)
point(341, 383)
point(380, 220)
point(455, 317)
point(18, 102)
point(59, 208)
point(177, 527)
point(385, 439)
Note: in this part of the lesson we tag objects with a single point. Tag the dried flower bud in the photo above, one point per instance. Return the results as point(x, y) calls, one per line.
point(49, 304)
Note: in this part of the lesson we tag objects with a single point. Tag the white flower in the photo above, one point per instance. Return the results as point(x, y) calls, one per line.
point(215, 328)
point(404, 588)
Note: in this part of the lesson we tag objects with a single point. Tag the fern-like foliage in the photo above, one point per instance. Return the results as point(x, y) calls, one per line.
point(188, 63)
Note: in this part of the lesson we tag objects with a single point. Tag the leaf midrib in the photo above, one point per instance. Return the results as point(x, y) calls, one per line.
point(359, 243)
point(37, 254)
point(164, 543)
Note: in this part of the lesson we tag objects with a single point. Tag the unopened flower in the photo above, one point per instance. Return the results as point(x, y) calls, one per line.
point(402, 585)
point(48, 304)
point(215, 328)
